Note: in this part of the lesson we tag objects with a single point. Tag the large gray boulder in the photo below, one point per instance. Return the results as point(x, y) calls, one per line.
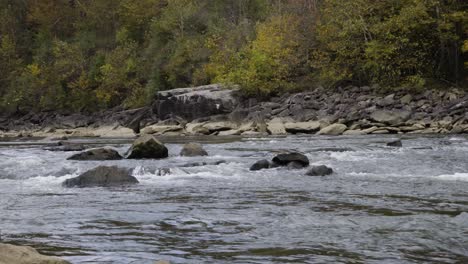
point(285, 158)
point(193, 150)
point(97, 154)
point(195, 102)
point(102, 176)
point(11, 254)
point(147, 147)
point(392, 118)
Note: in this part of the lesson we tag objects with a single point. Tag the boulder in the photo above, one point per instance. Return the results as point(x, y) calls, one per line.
point(302, 127)
point(392, 118)
point(147, 147)
point(321, 170)
point(333, 130)
point(260, 165)
point(276, 127)
point(195, 102)
point(97, 154)
point(193, 150)
point(11, 254)
point(395, 143)
point(286, 158)
point(103, 176)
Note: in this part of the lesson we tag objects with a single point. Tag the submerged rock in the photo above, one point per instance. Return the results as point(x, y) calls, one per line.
point(321, 170)
point(395, 143)
point(11, 254)
point(97, 154)
point(192, 150)
point(147, 147)
point(286, 158)
point(103, 176)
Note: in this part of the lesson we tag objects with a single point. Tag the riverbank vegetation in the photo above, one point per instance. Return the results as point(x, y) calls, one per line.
point(83, 55)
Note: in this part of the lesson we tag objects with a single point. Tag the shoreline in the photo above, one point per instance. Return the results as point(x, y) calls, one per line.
point(216, 111)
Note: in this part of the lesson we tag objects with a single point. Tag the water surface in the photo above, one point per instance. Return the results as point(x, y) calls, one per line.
point(383, 204)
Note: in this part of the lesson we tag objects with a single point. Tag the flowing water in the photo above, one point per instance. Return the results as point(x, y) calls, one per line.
point(382, 205)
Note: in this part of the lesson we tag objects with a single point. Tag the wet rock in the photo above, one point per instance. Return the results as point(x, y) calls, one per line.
point(102, 176)
point(11, 254)
point(286, 158)
point(321, 170)
point(97, 154)
point(333, 130)
point(147, 147)
point(260, 165)
point(193, 150)
point(395, 143)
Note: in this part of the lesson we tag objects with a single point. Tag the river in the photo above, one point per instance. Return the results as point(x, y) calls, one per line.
point(382, 205)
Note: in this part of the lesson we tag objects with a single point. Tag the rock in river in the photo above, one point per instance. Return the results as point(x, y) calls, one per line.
point(395, 143)
point(97, 154)
point(286, 158)
point(11, 254)
point(102, 176)
point(193, 150)
point(321, 170)
point(260, 165)
point(147, 147)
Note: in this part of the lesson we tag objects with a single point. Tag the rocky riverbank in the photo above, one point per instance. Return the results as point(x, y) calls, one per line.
point(214, 110)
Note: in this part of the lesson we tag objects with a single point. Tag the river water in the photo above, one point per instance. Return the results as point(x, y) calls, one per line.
point(383, 204)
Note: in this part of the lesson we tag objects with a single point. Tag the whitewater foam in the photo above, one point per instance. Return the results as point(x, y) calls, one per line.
point(453, 177)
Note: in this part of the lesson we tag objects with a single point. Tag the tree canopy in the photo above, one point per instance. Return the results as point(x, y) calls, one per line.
point(85, 55)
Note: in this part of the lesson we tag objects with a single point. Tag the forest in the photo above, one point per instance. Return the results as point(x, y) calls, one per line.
point(89, 55)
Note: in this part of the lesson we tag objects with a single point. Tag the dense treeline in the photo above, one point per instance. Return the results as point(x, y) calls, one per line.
point(85, 55)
